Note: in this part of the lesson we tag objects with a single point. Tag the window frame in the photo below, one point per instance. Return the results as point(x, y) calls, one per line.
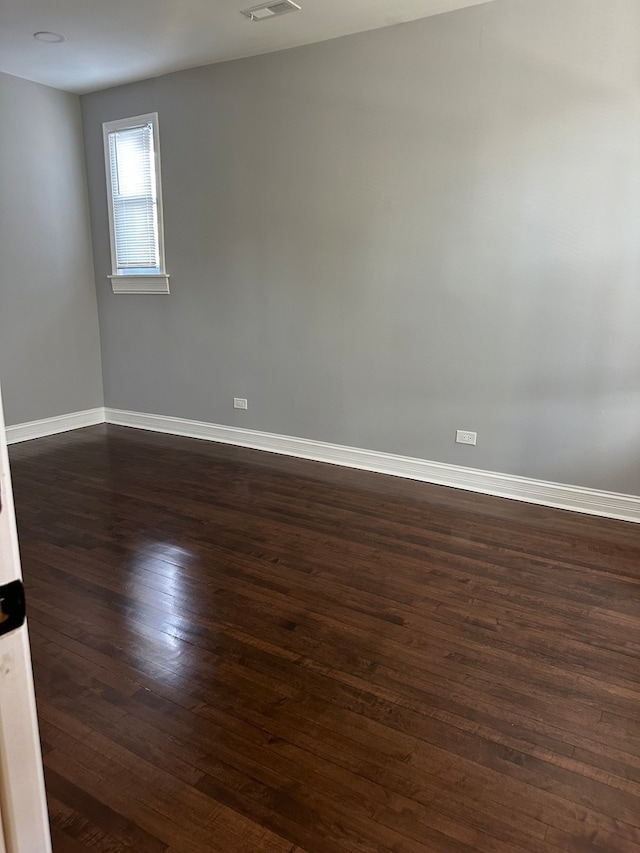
point(134, 282)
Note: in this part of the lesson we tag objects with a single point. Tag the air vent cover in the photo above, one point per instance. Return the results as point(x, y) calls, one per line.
point(271, 10)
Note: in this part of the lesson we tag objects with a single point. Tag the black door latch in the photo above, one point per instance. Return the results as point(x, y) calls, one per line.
point(12, 606)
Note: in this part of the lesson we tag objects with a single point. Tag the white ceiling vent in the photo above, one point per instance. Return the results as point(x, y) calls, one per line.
point(271, 10)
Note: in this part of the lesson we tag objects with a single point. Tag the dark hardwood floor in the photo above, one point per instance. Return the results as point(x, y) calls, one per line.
point(236, 651)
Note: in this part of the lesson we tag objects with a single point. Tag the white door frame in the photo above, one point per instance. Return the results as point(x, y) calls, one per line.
point(24, 823)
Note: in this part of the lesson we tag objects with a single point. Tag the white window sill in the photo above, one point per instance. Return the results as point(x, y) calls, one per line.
point(140, 283)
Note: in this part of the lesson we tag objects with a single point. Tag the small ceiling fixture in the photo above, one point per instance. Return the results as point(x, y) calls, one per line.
point(50, 38)
point(271, 10)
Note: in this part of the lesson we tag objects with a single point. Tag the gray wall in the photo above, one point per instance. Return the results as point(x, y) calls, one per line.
point(386, 237)
point(49, 343)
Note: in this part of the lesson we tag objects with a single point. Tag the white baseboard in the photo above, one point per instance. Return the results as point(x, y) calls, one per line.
point(51, 426)
point(575, 498)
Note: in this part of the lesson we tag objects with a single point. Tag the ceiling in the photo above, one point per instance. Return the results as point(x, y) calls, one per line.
point(109, 42)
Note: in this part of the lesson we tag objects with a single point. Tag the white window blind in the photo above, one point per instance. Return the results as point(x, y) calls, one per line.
point(135, 203)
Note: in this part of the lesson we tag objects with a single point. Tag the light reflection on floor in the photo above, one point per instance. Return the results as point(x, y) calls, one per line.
point(159, 582)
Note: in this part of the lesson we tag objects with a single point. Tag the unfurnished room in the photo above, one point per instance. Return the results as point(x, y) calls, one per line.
point(320, 453)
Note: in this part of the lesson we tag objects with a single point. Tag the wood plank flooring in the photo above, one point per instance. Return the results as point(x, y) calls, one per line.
point(238, 652)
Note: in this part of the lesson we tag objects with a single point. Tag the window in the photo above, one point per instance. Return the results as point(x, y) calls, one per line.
point(134, 193)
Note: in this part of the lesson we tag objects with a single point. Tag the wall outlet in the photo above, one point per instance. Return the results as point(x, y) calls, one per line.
point(240, 403)
point(463, 436)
